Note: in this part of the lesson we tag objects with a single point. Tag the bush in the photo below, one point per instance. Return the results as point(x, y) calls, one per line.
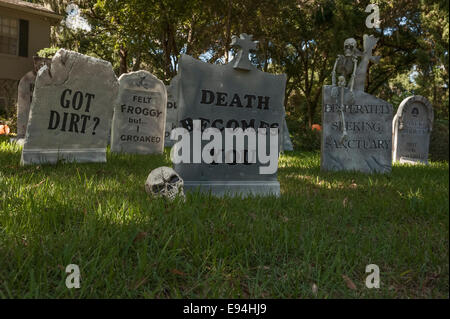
point(306, 139)
point(47, 52)
point(439, 141)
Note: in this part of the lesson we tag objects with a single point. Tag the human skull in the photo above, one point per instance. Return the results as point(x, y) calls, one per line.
point(164, 182)
point(349, 46)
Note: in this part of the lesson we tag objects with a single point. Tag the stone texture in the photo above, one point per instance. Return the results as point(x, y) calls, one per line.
point(24, 97)
point(71, 111)
point(286, 144)
point(241, 78)
point(140, 115)
point(368, 122)
point(172, 110)
point(412, 127)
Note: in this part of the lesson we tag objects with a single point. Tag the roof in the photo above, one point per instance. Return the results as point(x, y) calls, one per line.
point(31, 8)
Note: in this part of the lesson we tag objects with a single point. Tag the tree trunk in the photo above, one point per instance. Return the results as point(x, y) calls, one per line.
point(123, 55)
point(228, 32)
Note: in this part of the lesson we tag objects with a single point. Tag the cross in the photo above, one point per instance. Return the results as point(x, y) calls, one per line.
point(246, 44)
point(369, 44)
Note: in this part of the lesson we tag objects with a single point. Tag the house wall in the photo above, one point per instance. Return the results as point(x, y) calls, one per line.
point(14, 67)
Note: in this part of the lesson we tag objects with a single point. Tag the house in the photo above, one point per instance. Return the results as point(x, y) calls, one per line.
point(24, 30)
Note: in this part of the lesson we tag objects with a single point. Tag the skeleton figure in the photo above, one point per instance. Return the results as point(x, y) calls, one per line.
point(345, 66)
point(164, 182)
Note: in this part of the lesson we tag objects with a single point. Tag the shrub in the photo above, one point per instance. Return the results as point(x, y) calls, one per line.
point(439, 142)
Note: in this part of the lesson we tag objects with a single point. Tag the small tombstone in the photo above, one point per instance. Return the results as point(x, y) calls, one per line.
point(25, 95)
point(139, 116)
point(71, 111)
point(411, 128)
point(286, 144)
point(172, 111)
point(235, 95)
point(357, 127)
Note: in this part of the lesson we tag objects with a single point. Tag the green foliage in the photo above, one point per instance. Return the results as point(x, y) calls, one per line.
point(299, 38)
point(47, 52)
point(439, 142)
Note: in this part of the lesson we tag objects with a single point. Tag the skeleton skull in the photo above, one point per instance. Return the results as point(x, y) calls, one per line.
point(165, 182)
point(349, 47)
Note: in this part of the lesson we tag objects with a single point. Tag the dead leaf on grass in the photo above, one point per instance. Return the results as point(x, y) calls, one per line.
point(177, 272)
point(140, 236)
point(350, 284)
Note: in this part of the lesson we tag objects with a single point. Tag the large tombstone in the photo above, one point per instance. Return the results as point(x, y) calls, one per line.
point(411, 130)
point(71, 111)
point(235, 95)
point(25, 95)
point(140, 115)
point(172, 110)
point(357, 127)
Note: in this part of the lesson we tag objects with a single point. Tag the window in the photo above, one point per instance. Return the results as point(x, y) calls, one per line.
point(9, 36)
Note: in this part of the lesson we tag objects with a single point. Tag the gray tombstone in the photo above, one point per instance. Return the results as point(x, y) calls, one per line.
point(357, 127)
point(232, 95)
point(411, 130)
point(172, 110)
point(25, 95)
point(71, 111)
point(286, 144)
point(140, 115)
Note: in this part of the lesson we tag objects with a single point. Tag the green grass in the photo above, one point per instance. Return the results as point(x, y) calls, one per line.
point(128, 245)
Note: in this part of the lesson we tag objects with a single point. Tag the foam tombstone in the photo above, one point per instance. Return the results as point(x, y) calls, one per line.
point(140, 115)
point(71, 110)
point(356, 126)
point(235, 96)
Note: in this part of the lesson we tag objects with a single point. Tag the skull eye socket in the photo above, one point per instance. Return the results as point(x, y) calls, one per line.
point(173, 179)
point(157, 188)
point(348, 46)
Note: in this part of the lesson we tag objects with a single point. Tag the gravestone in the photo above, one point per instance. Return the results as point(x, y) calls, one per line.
point(71, 111)
point(286, 144)
point(25, 96)
point(357, 127)
point(139, 117)
point(235, 95)
point(172, 111)
point(412, 127)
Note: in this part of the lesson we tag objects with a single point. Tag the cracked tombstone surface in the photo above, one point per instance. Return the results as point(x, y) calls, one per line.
point(71, 111)
point(412, 127)
point(140, 115)
point(172, 110)
point(235, 95)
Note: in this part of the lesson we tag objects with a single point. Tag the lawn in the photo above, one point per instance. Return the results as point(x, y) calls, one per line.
point(322, 231)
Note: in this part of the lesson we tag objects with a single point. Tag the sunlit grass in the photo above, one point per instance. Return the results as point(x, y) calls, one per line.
point(325, 225)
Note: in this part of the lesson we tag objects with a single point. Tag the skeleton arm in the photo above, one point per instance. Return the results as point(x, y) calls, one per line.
point(333, 73)
point(352, 79)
